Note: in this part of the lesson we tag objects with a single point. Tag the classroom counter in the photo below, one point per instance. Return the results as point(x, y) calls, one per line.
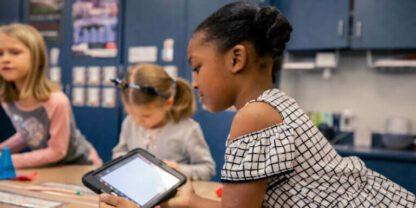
point(63, 185)
point(377, 153)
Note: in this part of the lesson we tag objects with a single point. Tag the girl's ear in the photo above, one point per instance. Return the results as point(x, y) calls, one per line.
point(169, 102)
point(237, 58)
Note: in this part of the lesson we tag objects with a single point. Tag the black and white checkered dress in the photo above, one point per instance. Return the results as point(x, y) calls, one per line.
point(302, 168)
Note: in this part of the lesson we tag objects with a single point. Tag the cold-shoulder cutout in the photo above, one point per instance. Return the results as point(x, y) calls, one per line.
point(253, 117)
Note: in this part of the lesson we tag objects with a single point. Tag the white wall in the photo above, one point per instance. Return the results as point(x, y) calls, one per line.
point(373, 96)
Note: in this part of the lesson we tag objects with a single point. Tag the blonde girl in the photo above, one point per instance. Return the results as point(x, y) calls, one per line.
point(39, 111)
point(159, 120)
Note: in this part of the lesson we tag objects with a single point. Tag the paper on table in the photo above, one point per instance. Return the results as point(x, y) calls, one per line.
point(72, 187)
point(26, 201)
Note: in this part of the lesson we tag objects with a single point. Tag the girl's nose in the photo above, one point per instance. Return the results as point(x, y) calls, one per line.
point(4, 58)
point(194, 82)
point(194, 85)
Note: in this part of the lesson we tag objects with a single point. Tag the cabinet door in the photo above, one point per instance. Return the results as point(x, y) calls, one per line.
point(384, 24)
point(318, 24)
point(10, 11)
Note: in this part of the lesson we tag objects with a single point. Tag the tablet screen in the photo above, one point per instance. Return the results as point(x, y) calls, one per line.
point(137, 179)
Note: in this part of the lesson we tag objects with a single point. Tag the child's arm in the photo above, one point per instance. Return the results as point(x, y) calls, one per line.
point(242, 195)
point(15, 143)
point(202, 166)
point(59, 112)
point(121, 148)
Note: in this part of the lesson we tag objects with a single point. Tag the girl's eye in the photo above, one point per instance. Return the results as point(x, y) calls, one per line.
point(15, 52)
point(196, 69)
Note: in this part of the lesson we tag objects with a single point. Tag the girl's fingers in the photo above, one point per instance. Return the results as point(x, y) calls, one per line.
point(115, 201)
point(110, 199)
point(104, 205)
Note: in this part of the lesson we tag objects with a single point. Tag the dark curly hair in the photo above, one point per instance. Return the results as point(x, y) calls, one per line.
point(266, 28)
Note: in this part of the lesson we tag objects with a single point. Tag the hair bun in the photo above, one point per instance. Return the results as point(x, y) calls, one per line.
point(275, 26)
point(280, 29)
point(264, 18)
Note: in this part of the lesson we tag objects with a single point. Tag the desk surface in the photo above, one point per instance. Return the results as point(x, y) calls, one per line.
point(72, 175)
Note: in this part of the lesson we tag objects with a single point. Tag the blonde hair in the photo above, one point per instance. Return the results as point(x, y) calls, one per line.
point(155, 76)
point(37, 84)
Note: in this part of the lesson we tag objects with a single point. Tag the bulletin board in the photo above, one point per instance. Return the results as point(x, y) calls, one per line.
point(46, 16)
point(95, 24)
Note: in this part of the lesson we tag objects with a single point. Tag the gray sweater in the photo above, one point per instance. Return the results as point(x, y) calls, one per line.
point(181, 142)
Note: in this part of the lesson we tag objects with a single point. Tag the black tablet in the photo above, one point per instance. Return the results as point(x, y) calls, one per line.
point(138, 176)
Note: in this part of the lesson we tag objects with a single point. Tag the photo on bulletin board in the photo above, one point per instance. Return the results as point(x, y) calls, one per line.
point(95, 26)
point(93, 99)
point(108, 98)
point(46, 15)
point(55, 74)
point(109, 73)
point(78, 97)
point(94, 74)
point(78, 75)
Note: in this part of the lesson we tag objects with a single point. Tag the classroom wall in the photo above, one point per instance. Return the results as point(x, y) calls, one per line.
point(373, 96)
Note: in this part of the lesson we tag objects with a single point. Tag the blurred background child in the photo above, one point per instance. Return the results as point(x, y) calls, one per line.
point(159, 120)
point(39, 111)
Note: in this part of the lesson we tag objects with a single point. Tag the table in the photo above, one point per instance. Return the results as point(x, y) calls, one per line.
point(72, 175)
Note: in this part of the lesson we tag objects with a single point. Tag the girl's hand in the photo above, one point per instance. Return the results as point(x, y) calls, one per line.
point(182, 198)
point(109, 201)
point(172, 164)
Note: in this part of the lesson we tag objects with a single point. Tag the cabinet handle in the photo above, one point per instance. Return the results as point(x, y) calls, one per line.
point(358, 29)
point(340, 27)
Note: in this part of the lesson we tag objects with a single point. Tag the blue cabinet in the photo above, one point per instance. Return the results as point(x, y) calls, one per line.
point(10, 11)
point(401, 172)
point(325, 24)
point(384, 24)
point(150, 23)
point(319, 24)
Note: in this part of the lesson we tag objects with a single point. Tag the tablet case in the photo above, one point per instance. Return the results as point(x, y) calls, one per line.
point(95, 185)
